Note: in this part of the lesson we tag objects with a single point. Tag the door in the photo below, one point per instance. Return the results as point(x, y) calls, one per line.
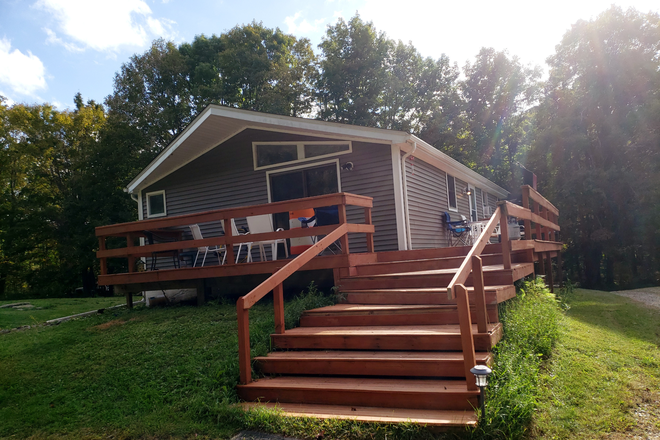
point(303, 182)
point(473, 203)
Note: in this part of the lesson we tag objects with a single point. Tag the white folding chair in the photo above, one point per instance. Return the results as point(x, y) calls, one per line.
point(197, 235)
point(234, 232)
point(259, 224)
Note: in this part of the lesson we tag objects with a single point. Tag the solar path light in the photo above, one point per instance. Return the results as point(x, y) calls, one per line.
point(481, 373)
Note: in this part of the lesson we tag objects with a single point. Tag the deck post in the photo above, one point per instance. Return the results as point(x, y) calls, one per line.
point(229, 247)
point(103, 260)
point(127, 293)
point(537, 211)
point(131, 259)
point(548, 275)
point(201, 290)
point(370, 236)
point(244, 364)
point(278, 305)
point(525, 202)
point(467, 339)
point(479, 294)
point(342, 220)
point(504, 234)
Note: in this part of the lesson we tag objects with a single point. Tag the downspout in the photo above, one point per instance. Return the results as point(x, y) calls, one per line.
point(406, 211)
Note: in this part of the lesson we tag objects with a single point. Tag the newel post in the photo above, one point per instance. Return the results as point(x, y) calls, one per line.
point(278, 305)
point(103, 260)
point(243, 342)
point(525, 202)
point(467, 339)
point(479, 294)
point(342, 220)
point(370, 236)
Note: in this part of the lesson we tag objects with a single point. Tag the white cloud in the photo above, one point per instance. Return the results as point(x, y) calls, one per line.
point(7, 101)
point(105, 25)
point(304, 26)
point(54, 39)
point(23, 74)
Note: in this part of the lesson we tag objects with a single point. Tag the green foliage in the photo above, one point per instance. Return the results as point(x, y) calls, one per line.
point(596, 148)
point(531, 328)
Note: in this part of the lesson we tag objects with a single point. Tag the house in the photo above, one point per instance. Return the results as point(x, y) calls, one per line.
point(230, 158)
point(416, 315)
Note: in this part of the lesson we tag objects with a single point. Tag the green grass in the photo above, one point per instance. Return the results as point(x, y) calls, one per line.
point(51, 308)
point(604, 375)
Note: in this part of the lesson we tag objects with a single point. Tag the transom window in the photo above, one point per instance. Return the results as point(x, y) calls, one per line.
point(270, 154)
point(451, 192)
point(156, 204)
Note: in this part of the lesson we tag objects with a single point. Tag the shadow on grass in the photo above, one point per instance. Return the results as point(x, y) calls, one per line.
point(615, 313)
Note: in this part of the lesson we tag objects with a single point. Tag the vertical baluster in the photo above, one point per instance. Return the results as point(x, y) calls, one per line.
point(229, 247)
point(342, 219)
point(103, 260)
point(504, 233)
point(244, 364)
point(370, 236)
point(479, 294)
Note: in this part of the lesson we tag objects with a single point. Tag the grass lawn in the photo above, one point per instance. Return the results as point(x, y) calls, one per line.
point(604, 377)
point(51, 308)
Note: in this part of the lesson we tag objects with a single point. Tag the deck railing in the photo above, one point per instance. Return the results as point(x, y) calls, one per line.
point(133, 230)
point(545, 227)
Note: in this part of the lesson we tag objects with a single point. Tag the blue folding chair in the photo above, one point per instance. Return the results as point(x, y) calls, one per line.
point(458, 231)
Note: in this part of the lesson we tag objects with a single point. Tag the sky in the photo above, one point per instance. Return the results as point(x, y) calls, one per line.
point(52, 49)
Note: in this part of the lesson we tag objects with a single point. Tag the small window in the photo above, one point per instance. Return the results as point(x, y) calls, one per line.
point(274, 154)
point(270, 154)
point(156, 204)
point(451, 192)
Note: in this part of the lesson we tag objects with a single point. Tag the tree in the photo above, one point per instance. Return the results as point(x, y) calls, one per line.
point(498, 91)
point(597, 146)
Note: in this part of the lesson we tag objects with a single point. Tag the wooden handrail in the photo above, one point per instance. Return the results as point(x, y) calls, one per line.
point(538, 198)
point(466, 267)
point(514, 210)
point(121, 229)
point(274, 283)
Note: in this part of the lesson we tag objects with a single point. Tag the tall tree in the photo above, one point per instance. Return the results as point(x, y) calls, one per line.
point(498, 91)
point(598, 145)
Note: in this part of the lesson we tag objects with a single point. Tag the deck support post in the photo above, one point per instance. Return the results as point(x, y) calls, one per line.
point(525, 202)
point(548, 275)
point(201, 290)
point(479, 294)
point(243, 317)
point(127, 293)
point(229, 247)
point(504, 234)
point(278, 305)
point(467, 339)
point(541, 264)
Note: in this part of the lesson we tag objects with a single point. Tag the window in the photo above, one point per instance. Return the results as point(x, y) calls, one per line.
point(484, 203)
point(156, 204)
point(270, 154)
point(451, 193)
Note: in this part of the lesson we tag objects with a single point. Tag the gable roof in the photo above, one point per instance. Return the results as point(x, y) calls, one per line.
point(216, 124)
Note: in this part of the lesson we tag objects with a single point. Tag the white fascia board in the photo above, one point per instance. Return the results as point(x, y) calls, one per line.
point(440, 160)
point(267, 121)
point(168, 150)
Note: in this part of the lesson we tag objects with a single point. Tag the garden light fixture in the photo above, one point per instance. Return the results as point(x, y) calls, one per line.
point(481, 373)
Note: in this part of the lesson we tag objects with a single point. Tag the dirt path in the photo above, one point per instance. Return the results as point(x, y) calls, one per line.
point(647, 295)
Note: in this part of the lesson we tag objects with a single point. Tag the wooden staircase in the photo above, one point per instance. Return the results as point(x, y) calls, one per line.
point(392, 350)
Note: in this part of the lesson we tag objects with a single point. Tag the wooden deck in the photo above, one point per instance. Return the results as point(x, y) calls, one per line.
point(410, 325)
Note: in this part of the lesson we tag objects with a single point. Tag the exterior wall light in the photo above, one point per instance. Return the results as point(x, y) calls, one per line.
point(468, 191)
point(481, 373)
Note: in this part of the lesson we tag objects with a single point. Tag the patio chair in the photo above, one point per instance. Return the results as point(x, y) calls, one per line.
point(235, 232)
point(197, 235)
point(458, 231)
point(159, 237)
point(260, 224)
point(325, 216)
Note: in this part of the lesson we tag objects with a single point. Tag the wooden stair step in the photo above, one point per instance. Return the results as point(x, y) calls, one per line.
point(438, 419)
point(389, 393)
point(368, 363)
point(385, 314)
point(495, 294)
point(409, 337)
point(493, 275)
point(451, 262)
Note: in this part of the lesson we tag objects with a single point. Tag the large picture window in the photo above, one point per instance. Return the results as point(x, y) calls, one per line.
point(451, 193)
point(270, 154)
point(156, 206)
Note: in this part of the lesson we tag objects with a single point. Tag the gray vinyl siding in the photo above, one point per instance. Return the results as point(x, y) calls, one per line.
point(427, 200)
point(480, 208)
point(462, 199)
point(225, 177)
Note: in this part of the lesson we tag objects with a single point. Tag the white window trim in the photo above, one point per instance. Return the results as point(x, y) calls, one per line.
point(455, 193)
point(155, 193)
point(301, 152)
point(301, 167)
point(484, 194)
point(476, 210)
